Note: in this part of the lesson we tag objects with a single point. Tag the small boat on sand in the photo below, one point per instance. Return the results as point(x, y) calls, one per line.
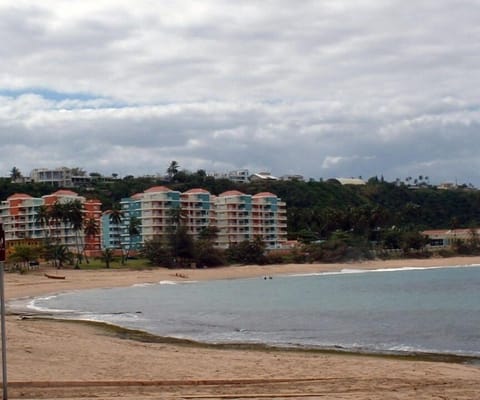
point(54, 276)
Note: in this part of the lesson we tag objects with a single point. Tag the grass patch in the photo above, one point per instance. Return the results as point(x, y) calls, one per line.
point(137, 263)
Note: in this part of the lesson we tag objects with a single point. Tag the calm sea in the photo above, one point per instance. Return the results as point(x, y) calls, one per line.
point(416, 310)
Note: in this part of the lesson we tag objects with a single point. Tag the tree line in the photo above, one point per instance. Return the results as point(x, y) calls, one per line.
point(318, 208)
point(388, 214)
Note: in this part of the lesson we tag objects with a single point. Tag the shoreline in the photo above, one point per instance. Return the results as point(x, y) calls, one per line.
point(35, 283)
point(58, 351)
point(25, 312)
point(147, 337)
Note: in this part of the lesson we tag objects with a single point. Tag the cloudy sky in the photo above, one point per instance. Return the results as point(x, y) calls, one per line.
point(331, 88)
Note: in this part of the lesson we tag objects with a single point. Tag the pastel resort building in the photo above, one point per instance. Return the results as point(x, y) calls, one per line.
point(19, 215)
point(235, 216)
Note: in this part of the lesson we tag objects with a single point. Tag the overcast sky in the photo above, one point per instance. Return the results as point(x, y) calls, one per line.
point(319, 88)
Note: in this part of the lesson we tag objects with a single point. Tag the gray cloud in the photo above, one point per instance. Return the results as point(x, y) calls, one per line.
point(333, 88)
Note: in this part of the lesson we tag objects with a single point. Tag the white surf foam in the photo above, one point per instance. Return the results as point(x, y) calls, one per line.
point(363, 271)
point(33, 305)
point(142, 284)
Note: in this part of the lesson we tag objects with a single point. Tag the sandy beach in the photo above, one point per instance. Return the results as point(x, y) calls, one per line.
point(69, 360)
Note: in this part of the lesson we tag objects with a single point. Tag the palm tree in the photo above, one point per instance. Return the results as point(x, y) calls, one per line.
point(116, 216)
point(46, 219)
point(177, 217)
point(116, 219)
point(91, 229)
point(73, 216)
point(61, 254)
point(57, 214)
point(209, 233)
point(172, 170)
point(134, 226)
point(107, 256)
point(43, 218)
point(53, 217)
point(133, 231)
point(181, 242)
point(15, 174)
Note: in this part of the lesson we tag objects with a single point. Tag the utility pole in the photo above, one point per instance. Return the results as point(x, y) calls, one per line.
point(2, 309)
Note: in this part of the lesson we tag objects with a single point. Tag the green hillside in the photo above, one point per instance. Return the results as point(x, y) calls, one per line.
point(315, 209)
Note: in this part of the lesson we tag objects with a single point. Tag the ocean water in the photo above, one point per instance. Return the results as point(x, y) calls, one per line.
point(412, 310)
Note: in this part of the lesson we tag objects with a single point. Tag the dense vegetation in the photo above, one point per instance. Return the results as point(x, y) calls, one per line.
point(316, 208)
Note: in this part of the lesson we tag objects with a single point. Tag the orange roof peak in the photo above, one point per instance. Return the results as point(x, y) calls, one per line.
point(64, 192)
point(19, 196)
point(197, 190)
point(231, 193)
point(265, 194)
point(156, 189)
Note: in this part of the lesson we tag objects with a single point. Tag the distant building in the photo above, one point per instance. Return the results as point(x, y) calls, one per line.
point(294, 177)
point(244, 176)
point(12, 243)
point(347, 181)
point(237, 176)
point(447, 186)
point(60, 177)
point(263, 176)
point(441, 238)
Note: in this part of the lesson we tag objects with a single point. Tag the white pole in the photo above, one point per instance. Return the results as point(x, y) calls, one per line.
point(4, 335)
point(2, 310)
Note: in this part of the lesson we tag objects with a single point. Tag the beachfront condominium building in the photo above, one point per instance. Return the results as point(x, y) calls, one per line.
point(197, 210)
point(154, 210)
point(110, 231)
point(131, 211)
point(236, 216)
point(269, 219)
point(158, 210)
point(19, 214)
point(242, 217)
